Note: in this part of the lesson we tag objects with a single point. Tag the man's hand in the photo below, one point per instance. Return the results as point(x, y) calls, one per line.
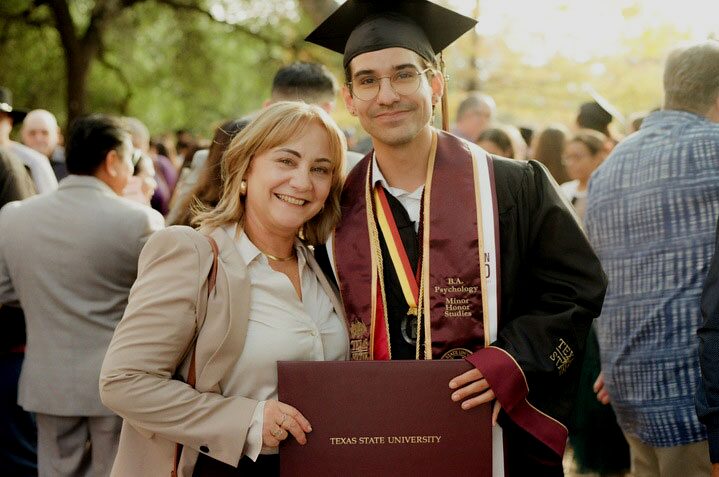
point(474, 390)
point(601, 390)
point(715, 470)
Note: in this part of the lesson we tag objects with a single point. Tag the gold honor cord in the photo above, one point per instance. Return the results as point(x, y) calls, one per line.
point(426, 223)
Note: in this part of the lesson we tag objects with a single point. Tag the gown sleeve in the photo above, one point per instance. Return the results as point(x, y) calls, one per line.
point(552, 288)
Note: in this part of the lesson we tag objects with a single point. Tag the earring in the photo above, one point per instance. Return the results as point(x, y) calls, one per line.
point(243, 187)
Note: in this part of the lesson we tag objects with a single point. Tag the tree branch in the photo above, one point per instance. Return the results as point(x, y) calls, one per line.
point(64, 24)
point(121, 76)
point(26, 16)
point(180, 5)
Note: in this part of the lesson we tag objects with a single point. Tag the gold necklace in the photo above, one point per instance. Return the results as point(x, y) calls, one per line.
point(278, 259)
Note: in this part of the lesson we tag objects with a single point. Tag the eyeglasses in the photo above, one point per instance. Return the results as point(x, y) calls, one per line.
point(403, 82)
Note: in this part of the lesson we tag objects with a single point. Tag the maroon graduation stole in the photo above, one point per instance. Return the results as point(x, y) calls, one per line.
point(453, 279)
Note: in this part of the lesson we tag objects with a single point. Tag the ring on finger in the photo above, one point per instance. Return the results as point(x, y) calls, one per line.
point(276, 433)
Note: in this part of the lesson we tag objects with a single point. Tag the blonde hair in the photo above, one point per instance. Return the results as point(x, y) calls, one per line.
point(276, 125)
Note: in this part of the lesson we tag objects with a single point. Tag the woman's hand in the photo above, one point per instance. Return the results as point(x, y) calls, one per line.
point(281, 420)
point(474, 390)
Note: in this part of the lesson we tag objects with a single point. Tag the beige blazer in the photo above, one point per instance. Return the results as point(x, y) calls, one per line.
point(153, 340)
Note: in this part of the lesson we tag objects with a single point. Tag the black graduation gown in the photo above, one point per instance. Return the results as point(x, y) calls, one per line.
point(551, 286)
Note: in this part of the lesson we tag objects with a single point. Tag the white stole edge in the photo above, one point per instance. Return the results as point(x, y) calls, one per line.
point(487, 199)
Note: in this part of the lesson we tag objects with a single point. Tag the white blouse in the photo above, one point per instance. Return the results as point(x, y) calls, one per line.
point(281, 328)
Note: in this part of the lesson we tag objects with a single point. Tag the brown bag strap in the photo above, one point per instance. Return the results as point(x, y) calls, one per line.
point(192, 373)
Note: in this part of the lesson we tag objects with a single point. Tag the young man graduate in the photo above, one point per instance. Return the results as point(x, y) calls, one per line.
point(447, 252)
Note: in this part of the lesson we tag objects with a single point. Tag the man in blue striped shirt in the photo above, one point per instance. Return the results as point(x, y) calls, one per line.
point(651, 213)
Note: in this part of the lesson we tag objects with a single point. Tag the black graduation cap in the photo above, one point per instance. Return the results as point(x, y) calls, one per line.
point(361, 26)
point(6, 106)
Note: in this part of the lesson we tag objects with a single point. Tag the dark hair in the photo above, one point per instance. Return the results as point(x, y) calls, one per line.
point(160, 147)
point(207, 191)
point(527, 134)
point(500, 138)
point(181, 143)
point(309, 82)
point(594, 116)
point(594, 141)
point(90, 139)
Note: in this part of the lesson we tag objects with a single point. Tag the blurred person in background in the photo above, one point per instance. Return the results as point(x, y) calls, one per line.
point(635, 121)
point(527, 134)
point(474, 115)
point(163, 146)
point(497, 141)
point(548, 148)
point(651, 215)
point(583, 153)
point(40, 171)
point(593, 115)
point(311, 83)
point(519, 145)
point(207, 191)
point(69, 258)
point(184, 141)
point(141, 186)
point(598, 445)
point(18, 435)
point(166, 173)
point(40, 132)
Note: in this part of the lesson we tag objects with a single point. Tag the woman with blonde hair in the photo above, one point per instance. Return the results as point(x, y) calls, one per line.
point(195, 364)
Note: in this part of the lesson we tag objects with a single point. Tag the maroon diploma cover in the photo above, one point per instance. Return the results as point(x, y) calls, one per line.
point(383, 418)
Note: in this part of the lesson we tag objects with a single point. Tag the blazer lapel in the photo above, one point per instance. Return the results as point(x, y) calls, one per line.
point(234, 286)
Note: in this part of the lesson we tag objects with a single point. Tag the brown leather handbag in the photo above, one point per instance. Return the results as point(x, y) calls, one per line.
point(191, 376)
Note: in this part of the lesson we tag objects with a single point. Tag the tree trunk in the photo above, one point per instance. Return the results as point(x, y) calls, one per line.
point(78, 65)
point(80, 51)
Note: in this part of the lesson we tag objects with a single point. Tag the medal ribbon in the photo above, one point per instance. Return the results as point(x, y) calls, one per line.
point(397, 252)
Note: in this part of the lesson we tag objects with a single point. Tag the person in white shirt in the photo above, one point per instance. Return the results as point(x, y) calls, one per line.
point(42, 174)
point(270, 302)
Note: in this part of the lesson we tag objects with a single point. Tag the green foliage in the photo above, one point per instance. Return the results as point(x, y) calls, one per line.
point(170, 68)
point(31, 62)
point(552, 92)
point(180, 68)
